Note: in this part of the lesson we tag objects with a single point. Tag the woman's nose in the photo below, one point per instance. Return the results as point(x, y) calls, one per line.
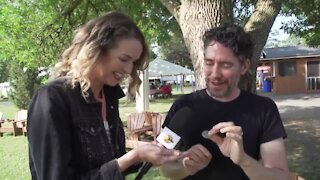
point(128, 68)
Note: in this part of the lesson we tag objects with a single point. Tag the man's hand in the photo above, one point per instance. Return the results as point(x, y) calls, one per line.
point(231, 145)
point(197, 158)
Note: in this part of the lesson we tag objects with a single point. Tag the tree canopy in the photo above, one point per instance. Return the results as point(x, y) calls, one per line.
point(306, 23)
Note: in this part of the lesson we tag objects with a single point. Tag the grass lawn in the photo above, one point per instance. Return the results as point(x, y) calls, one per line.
point(301, 157)
point(8, 109)
point(13, 150)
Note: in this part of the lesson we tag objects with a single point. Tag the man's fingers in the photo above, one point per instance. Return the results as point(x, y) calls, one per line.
point(235, 137)
point(200, 154)
point(204, 150)
point(234, 129)
point(183, 155)
point(216, 138)
point(169, 152)
point(189, 162)
point(222, 125)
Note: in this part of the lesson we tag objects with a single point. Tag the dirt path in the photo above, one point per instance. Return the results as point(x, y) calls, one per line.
point(301, 117)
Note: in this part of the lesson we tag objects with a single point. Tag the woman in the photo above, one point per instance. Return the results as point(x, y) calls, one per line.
point(74, 128)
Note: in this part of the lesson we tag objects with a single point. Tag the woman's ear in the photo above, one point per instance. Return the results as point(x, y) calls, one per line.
point(245, 66)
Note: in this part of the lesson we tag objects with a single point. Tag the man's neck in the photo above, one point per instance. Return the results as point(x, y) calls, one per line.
point(232, 96)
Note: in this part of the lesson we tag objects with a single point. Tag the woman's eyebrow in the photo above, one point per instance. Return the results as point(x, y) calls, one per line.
point(127, 56)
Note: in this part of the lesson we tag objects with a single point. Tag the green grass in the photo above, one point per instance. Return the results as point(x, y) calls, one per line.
point(14, 158)
point(8, 109)
point(13, 150)
point(302, 157)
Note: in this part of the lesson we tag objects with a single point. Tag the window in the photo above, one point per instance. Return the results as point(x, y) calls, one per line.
point(313, 68)
point(287, 68)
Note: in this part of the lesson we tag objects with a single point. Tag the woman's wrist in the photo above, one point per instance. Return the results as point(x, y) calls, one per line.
point(128, 159)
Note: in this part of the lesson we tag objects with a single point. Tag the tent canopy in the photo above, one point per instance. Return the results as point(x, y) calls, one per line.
point(160, 67)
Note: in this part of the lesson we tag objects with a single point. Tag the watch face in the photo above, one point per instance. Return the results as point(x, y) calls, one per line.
point(168, 138)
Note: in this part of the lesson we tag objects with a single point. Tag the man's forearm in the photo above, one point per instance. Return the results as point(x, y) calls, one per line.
point(173, 170)
point(256, 171)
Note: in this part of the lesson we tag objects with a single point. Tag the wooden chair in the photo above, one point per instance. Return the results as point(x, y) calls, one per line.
point(157, 121)
point(6, 129)
point(137, 125)
point(20, 121)
point(295, 176)
point(18, 124)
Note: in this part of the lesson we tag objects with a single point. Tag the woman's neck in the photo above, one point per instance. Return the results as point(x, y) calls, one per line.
point(96, 87)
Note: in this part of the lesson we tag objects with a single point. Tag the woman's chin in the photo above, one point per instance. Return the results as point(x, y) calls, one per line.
point(111, 82)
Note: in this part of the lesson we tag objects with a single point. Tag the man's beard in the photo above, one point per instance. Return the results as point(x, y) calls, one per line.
point(218, 94)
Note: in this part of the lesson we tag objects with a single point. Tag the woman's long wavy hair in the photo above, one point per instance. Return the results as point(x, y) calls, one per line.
point(93, 40)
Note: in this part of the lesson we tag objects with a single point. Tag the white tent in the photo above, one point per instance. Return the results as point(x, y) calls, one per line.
point(158, 68)
point(4, 89)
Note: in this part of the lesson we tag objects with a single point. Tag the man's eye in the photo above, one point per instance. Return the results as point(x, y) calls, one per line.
point(123, 60)
point(207, 62)
point(227, 65)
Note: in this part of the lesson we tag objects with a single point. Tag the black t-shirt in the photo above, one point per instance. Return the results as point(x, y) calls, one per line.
point(258, 116)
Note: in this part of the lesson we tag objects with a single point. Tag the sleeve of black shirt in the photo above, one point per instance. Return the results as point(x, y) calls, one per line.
point(272, 127)
point(50, 140)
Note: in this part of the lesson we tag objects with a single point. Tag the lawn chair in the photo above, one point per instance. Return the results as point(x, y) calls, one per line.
point(137, 126)
point(295, 176)
point(20, 121)
point(17, 125)
point(157, 121)
point(6, 129)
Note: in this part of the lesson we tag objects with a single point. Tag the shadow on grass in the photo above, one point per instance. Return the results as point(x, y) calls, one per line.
point(303, 147)
point(285, 97)
point(296, 112)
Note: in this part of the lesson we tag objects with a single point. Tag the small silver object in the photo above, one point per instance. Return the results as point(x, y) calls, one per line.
point(205, 134)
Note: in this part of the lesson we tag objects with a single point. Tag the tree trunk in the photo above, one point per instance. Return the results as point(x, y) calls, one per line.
point(259, 26)
point(196, 17)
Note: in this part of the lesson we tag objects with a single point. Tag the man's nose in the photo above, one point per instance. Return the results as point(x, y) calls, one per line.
point(216, 71)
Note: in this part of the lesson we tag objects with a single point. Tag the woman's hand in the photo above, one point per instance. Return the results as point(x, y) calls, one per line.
point(156, 154)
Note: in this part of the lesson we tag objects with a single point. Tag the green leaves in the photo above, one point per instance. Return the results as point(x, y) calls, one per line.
point(307, 22)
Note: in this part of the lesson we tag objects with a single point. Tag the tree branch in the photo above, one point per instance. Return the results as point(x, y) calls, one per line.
point(173, 7)
point(71, 7)
point(94, 8)
point(85, 13)
point(260, 22)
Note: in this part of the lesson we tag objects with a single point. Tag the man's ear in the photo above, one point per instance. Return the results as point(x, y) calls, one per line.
point(245, 66)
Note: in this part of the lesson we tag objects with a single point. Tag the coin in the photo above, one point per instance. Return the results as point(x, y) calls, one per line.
point(205, 134)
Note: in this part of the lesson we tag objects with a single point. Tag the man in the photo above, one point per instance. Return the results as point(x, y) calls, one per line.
point(245, 130)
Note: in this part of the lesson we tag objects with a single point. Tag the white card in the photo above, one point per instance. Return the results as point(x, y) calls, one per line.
point(168, 138)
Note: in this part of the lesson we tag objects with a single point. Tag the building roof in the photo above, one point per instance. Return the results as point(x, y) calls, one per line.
point(159, 67)
point(289, 52)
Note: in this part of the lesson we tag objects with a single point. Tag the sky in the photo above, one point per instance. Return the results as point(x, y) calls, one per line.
point(277, 24)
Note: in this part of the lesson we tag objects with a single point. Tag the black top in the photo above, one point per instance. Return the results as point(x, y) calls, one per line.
point(67, 138)
point(258, 116)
